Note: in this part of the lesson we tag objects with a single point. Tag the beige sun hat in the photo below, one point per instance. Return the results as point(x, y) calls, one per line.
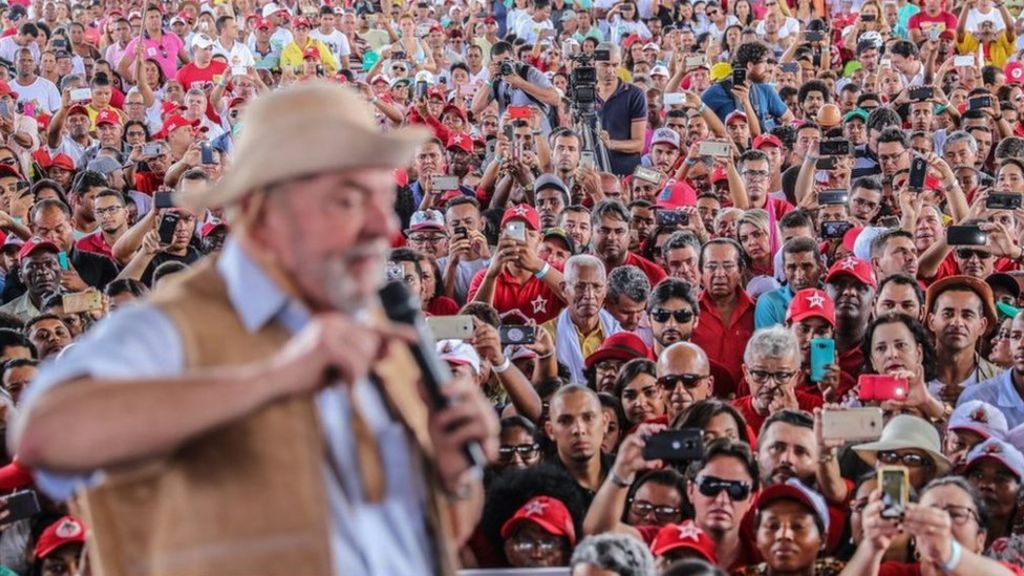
point(303, 130)
point(906, 432)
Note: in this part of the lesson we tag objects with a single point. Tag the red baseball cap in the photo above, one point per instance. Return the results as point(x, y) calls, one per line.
point(453, 109)
point(544, 511)
point(811, 302)
point(686, 535)
point(676, 195)
point(63, 161)
point(236, 101)
point(170, 107)
point(210, 227)
point(767, 140)
point(172, 123)
point(67, 530)
point(490, 20)
point(77, 109)
point(7, 171)
point(851, 266)
point(35, 243)
point(5, 89)
point(311, 53)
point(523, 212)
point(719, 175)
point(737, 115)
point(623, 346)
point(108, 117)
point(263, 24)
point(301, 21)
point(460, 142)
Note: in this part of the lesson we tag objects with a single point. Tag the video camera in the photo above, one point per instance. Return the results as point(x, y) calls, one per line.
point(582, 99)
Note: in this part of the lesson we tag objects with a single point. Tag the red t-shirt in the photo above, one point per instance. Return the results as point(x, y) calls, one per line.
point(852, 362)
point(725, 344)
point(653, 272)
point(442, 306)
point(745, 405)
point(148, 182)
point(943, 21)
point(949, 267)
point(192, 76)
point(900, 569)
point(94, 243)
point(534, 299)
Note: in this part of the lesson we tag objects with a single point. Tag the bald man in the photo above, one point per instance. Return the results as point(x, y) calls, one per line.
point(684, 372)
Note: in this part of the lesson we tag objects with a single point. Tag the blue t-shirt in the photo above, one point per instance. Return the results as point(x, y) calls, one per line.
point(627, 104)
point(763, 97)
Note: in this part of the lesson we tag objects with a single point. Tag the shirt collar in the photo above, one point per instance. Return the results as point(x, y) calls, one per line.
point(253, 294)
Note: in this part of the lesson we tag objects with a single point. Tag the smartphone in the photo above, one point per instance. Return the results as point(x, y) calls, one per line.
point(206, 154)
point(918, 173)
point(826, 163)
point(835, 147)
point(933, 33)
point(394, 272)
point(671, 218)
point(510, 133)
point(168, 224)
point(675, 445)
point(835, 229)
point(5, 110)
point(815, 36)
point(694, 61)
point(881, 387)
point(587, 159)
point(739, 76)
point(895, 485)
point(444, 182)
point(1003, 201)
point(421, 90)
point(868, 17)
point(163, 200)
point(62, 259)
point(451, 327)
point(77, 302)
point(461, 232)
point(151, 150)
point(965, 236)
point(791, 67)
point(833, 197)
point(602, 55)
point(965, 61)
point(518, 334)
point(22, 505)
point(467, 90)
point(979, 102)
point(889, 222)
point(397, 56)
point(59, 43)
point(714, 148)
point(644, 173)
point(81, 95)
point(852, 424)
point(518, 113)
point(320, 70)
point(922, 93)
point(516, 230)
point(823, 353)
point(673, 99)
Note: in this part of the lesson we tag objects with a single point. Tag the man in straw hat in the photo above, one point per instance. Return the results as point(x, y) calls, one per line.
point(239, 417)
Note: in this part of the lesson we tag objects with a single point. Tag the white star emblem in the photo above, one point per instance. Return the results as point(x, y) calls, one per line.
point(689, 531)
point(849, 264)
point(535, 508)
point(816, 301)
point(519, 210)
point(540, 304)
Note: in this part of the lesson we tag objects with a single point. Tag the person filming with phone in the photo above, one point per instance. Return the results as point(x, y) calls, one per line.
point(751, 84)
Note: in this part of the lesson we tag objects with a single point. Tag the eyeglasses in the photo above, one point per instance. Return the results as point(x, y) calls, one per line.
point(432, 239)
point(689, 381)
point(756, 174)
point(959, 515)
point(680, 316)
point(110, 210)
point(711, 487)
point(966, 253)
point(908, 459)
point(662, 513)
point(762, 376)
point(545, 545)
point(525, 451)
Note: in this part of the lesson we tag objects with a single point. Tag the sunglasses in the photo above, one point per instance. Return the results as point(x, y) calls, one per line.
point(910, 460)
point(689, 381)
point(662, 315)
point(525, 451)
point(662, 513)
point(966, 253)
point(711, 487)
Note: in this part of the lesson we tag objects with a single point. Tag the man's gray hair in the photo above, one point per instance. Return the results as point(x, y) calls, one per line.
point(618, 553)
point(574, 263)
point(958, 136)
point(681, 239)
point(609, 208)
point(773, 342)
point(628, 281)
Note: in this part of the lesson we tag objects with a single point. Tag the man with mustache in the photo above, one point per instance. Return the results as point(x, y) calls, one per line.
point(851, 285)
point(894, 252)
point(610, 221)
point(960, 311)
point(39, 266)
point(801, 264)
point(726, 310)
point(684, 375)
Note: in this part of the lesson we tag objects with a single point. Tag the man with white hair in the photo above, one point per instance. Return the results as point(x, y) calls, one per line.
point(579, 329)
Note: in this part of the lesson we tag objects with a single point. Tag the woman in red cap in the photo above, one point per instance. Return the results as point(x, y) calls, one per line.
point(59, 548)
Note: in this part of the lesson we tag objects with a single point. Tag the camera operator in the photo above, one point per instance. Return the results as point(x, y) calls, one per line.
point(623, 109)
point(515, 84)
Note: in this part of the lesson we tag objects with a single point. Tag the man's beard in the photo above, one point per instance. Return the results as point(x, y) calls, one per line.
point(341, 289)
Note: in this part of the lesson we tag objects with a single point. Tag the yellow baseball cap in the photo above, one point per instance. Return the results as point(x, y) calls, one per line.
point(720, 71)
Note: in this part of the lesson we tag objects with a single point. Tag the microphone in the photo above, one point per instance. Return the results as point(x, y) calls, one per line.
point(401, 308)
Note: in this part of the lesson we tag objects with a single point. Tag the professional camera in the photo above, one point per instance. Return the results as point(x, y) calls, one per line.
point(582, 100)
point(508, 67)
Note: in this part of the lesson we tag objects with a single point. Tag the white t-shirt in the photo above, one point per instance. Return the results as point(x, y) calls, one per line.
point(975, 18)
point(789, 26)
point(336, 41)
point(238, 55)
point(9, 49)
point(529, 30)
point(42, 93)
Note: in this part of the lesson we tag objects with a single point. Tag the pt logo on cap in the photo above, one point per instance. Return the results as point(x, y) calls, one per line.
point(535, 508)
point(980, 415)
point(993, 449)
point(816, 301)
point(68, 529)
point(519, 210)
point(689, 532)
point(849, 264)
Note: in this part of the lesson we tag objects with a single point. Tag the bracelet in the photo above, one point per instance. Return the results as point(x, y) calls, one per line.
point(702, 108)
point(545, 356)
point(503, 367)
point(540, 274)
point(621, 483)
point(954, 558)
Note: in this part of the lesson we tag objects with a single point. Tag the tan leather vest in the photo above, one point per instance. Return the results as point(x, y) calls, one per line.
point(248, 498)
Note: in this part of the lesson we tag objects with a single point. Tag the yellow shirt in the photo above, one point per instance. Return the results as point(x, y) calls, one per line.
point(589, 343)
point(292, 56)
point(999, 50)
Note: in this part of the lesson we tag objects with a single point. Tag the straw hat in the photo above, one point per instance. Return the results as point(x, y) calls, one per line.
point(304, 130)
point(905, 432)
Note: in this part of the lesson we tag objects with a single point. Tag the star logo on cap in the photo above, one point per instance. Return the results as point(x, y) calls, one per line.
point(980, 415)
point(535, 508)
point(688, 531)
point(849, 264)
point(458, 140)
point(540, 304)
point(68, 529)
point(816, 301)
point(520, 210)
point(992, 449)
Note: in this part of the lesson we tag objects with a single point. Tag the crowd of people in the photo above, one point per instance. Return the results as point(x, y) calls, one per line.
point(764, 225)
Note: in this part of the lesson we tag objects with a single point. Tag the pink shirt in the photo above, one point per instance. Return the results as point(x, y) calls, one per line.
point(165, 51)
